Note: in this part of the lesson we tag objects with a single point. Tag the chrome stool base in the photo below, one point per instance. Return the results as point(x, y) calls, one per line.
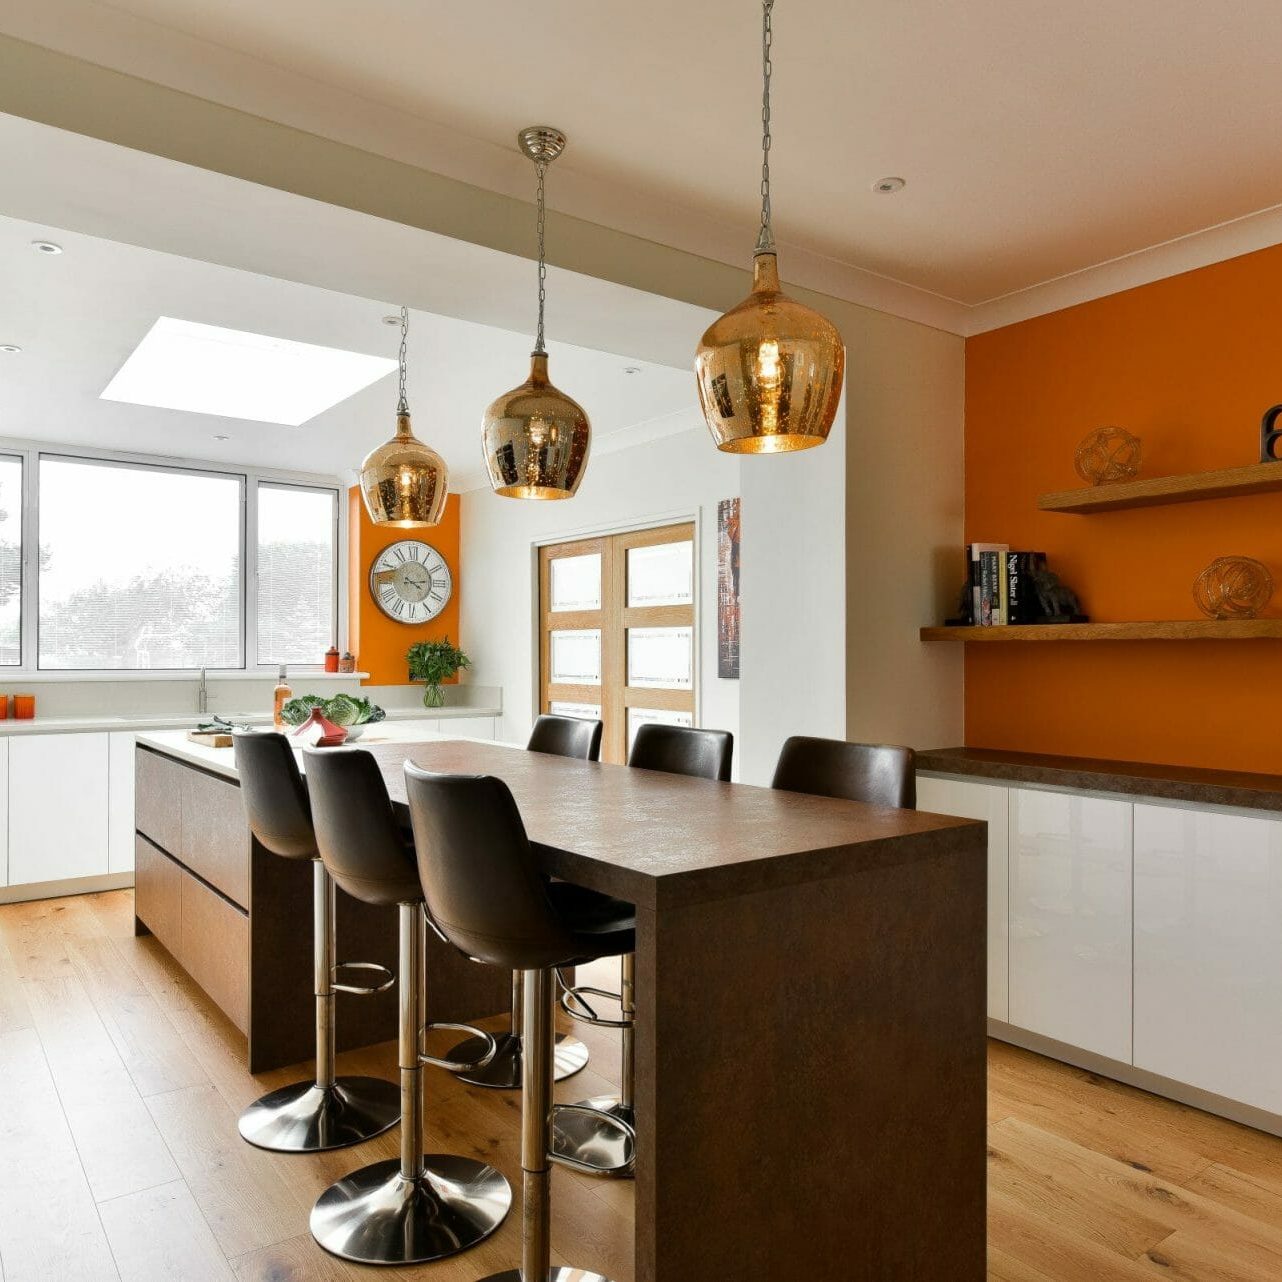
point(561, 1274)
point(503, 1072)
point(587, 1141)
point(377, 1216)
point(306, 1118)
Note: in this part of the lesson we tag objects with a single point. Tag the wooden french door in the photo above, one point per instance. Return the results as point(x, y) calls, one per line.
point(617, 634)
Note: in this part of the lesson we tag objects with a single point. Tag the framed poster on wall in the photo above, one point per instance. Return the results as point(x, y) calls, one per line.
point(728, 588)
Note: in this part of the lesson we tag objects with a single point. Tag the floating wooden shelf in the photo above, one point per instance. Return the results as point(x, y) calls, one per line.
point(1255, 478)
point(1166, 630)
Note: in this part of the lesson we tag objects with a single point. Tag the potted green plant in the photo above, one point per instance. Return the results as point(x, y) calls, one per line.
point(434, 662)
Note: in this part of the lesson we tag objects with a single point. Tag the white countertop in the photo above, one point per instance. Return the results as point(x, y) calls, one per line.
point(174, 743)
point(187, 720)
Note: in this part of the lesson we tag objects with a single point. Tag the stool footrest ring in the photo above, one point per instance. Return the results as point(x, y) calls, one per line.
point(388, 978)
point(459, 1065)
point(572, 1001)
point(625, 1128)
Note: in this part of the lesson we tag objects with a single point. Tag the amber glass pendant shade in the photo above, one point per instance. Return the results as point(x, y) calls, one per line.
point(404, 483)
point(770, 371)
point(536, 439)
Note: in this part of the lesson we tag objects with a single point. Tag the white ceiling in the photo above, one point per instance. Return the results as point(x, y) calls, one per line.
point(1039, 139)
point(78, 315)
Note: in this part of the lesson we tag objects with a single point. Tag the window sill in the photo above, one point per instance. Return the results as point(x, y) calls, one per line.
point(16, 676)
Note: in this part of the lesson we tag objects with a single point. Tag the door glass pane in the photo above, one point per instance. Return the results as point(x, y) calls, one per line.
point(576, 658)
point(10, 560)
point(297, 567)
point(661, 575)
point(654, 716)
point(588, 711)
point(576, 582)
point(662, 658)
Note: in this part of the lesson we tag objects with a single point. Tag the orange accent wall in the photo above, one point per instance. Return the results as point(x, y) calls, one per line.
point(1189, 365)
point(378, 642)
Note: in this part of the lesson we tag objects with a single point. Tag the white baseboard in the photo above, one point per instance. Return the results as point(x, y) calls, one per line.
point(60, 889)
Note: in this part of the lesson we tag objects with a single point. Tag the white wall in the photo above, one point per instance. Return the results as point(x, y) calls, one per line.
point(676, 477)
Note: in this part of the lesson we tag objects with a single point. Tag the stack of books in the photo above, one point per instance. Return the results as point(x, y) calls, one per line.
point(1001, 584)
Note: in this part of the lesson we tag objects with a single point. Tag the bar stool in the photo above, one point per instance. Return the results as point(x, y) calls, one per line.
point(579, 1137)
point(559, 737)
point(418, 1207)
point(486, 895)
point(329, 1112)
point(879, 774)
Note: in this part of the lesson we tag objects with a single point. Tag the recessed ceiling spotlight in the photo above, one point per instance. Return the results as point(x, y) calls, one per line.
point(221, 436)
point(391, 320)
point(46, 247)
point(888, 186)
point(632, 369)
point(12, 349)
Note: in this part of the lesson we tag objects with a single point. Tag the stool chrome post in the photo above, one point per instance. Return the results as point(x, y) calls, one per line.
point(329, 1112)
point(417, 1207)
point(503, 1072)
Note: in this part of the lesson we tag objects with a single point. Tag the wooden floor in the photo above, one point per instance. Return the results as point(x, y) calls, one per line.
point(119, 1156)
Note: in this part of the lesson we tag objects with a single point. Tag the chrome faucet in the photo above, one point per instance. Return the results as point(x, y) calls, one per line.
point(202, 695)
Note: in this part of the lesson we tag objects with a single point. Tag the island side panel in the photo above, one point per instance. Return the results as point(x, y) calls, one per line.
point(811, 1077)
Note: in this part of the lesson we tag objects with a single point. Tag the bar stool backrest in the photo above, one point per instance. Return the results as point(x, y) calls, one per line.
point(273, 792)
point(365, 849)
point(481, 883)
point(877, 773)
point(566, 737)
point(681, 750)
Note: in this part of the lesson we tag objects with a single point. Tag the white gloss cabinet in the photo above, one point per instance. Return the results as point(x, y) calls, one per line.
point(4, 811)
point(1070, 919)
point(966, 800)
point(1208, 951)
point(120, 801)
point(57, 807)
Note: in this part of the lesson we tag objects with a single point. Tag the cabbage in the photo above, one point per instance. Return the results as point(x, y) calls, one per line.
point(343, 710)
point(296, 711)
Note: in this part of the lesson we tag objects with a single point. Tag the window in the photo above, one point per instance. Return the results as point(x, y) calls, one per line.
point(618, 632)
point(297, 555)
point(139, 567)
point(10, 561)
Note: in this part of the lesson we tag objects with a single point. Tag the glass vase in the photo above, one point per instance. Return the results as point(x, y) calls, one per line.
point(433, 696)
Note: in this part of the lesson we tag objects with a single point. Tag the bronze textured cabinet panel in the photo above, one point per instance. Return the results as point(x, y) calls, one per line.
point(156, 799)
point(157, 894)
point(215, 949)
point(215, 834)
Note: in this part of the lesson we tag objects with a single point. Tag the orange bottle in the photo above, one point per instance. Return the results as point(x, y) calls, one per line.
point(280, 697)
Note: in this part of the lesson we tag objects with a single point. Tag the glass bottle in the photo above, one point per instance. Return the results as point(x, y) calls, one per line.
point(280, 697)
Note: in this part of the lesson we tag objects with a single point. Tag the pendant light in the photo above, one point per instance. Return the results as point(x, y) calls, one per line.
point(404, 482)
point(536, 438)
point(769, 371)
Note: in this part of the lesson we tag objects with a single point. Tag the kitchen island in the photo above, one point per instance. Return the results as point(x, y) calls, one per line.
point(810, 1033)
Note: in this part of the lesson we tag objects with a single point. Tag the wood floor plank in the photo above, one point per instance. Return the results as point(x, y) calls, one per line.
point(49, 1225)
point(118, 1142)
point(159, 1235)
point(297, 1260)
point(14, 1013)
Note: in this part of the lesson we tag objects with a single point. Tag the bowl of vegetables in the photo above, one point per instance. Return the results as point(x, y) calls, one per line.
point(350, 711)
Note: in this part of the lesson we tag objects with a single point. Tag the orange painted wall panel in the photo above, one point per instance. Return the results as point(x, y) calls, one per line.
point(378, 642)
point(1189, 365)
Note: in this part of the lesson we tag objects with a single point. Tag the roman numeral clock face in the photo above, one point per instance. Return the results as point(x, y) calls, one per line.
point(410, 582)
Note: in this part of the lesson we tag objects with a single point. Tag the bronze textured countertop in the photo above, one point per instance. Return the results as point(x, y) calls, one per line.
point(1130, 778)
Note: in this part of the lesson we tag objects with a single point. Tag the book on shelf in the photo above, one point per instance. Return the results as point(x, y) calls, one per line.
point(989, 594)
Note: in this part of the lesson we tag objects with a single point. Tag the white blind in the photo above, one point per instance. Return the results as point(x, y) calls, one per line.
point(10, 561)
point(297, 568)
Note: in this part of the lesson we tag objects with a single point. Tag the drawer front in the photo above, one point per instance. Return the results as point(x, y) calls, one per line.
point(157, 893)
point(215, 949)
point(215, 834)
point(157, 789)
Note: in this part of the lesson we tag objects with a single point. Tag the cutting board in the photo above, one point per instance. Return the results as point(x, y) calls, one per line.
point(210, 738)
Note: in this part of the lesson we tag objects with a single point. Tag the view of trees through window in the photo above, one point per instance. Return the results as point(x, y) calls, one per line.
point(10, 561)
point(296, 556)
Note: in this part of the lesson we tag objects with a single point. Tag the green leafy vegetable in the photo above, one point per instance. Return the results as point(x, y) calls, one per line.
point(296, 711)
point(342, 709)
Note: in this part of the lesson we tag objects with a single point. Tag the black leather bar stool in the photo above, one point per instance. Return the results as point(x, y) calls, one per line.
point(559, 737)
point(331, 1111)
point(486, 894)
point(876, 773)
point(579, 1137)
point(418, 1207)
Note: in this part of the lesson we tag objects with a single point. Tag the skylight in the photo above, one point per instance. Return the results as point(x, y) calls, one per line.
point(205, 369)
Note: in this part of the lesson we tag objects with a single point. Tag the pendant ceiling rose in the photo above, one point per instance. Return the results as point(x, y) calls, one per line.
point(535, 438)
point(404, 483)
point(770, 371)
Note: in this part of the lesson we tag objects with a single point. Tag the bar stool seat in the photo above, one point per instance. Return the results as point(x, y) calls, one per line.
point(420, 1206)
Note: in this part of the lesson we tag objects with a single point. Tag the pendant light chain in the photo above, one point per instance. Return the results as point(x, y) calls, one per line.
point(402, 406)
point(541, 169)
point(766, 238)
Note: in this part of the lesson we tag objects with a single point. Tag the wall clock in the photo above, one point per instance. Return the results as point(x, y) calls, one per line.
point(410, 581)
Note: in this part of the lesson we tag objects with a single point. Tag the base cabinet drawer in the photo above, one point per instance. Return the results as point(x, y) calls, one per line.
point(1208, 951)
point(157, 798)
point(215, 949)
point(215, 834)
point(157, 893)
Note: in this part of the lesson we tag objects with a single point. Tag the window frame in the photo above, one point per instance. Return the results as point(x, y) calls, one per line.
point(250, 478)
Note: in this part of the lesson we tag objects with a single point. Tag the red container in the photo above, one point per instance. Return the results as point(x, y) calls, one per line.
point(24, 707)
point(331, 659)
point(4, 707)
